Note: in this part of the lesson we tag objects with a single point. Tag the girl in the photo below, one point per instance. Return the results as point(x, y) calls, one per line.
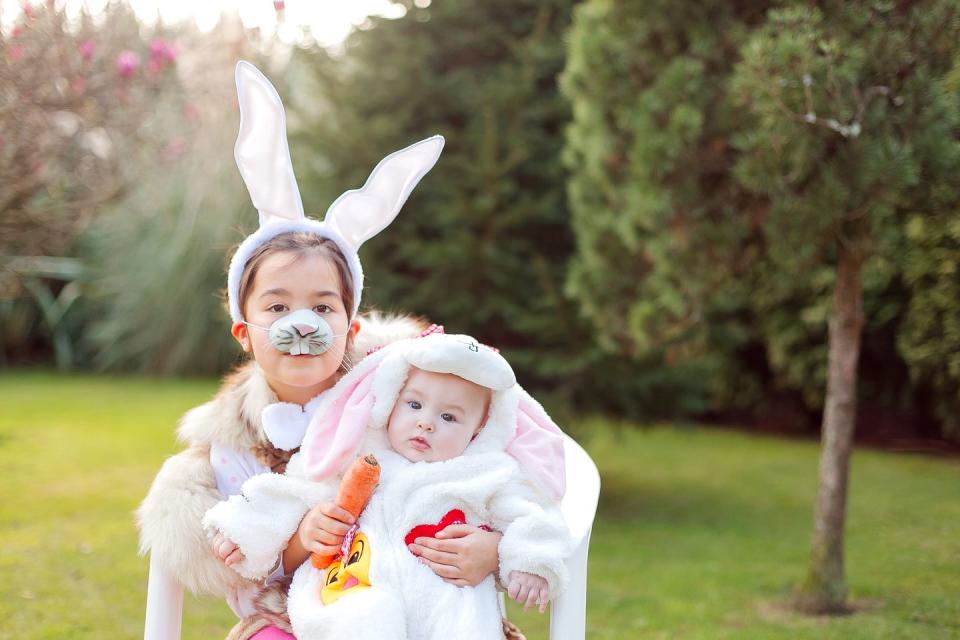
point(448, 424)
point(291, 263)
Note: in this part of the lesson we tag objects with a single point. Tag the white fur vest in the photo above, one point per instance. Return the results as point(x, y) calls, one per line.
point(169, 519)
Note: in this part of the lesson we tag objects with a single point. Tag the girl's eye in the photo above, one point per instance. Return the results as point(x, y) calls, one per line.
point(448, 417)
point(323, 308)
point(277, 307)
point(413, 404)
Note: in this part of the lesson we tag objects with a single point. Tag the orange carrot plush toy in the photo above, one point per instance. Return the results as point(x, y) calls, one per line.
point(356, 487)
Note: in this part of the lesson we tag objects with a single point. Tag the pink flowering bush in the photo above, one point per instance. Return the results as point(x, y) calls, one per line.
point(127, 63)
point(87, 48)
point(162, 53)
point(109, 153)
point(74, 117)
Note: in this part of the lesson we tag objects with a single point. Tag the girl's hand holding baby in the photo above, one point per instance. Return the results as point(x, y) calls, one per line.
point(228, 552)
point(528, 589)
point(461, 554)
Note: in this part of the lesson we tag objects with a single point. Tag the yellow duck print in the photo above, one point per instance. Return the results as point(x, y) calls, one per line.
point(348, 572)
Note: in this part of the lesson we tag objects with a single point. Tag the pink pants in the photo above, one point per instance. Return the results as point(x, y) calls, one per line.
point(271, 633)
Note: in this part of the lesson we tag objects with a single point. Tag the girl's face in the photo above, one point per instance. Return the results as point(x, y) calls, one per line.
point(436, 416)
point(287, 281)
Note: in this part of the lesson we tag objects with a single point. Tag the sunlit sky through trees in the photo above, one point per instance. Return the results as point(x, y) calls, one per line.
point(325, 21)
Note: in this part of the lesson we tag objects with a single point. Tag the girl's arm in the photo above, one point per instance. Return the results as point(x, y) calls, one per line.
point(262, 519)
point(461, 554)
point(169, 522)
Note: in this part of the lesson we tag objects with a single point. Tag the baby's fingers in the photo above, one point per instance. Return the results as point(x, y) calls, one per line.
point(522, 596)
point(543, 599)
point(337, 513)
point(216, 543)
point(325, 550)
point(325, 537)
point(532, 598)
point(224, 548)
point(234, 557)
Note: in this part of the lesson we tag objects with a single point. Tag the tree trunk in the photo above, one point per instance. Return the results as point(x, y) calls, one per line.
point(824, 589)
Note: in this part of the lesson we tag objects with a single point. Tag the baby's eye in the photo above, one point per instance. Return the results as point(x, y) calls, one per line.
point(448, 417)
point(277, 307)
point(413, 404)
point(323, 308)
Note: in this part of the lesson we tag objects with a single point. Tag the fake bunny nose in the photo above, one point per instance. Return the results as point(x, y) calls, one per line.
point(301, 332)
point(304, 329)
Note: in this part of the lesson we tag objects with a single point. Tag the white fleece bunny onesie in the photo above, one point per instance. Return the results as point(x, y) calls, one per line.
point(483, 486)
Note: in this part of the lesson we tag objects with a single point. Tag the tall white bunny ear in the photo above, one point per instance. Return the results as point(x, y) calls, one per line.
point(261, 152)
point(360, 214)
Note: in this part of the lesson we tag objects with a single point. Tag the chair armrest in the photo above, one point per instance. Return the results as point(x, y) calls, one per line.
point(164, 605)
point(568, 613)
point(579, 504)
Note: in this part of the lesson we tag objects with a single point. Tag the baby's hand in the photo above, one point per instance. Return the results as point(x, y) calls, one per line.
point(528, 589)
point(321, 531)
point(228, 552)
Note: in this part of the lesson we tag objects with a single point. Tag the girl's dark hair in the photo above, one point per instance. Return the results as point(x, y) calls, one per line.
point(298, 243)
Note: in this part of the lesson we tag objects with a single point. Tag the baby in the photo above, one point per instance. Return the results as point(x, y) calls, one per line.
point(442, 414)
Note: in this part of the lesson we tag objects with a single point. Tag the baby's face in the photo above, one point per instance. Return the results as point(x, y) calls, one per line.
point(436, 416)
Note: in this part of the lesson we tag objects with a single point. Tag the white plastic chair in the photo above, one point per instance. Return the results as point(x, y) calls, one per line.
point(567, 614)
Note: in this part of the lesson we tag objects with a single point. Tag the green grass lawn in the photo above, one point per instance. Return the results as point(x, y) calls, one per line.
point(700, 533)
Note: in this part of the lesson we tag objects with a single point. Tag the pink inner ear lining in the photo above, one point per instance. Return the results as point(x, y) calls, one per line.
point(333, 438)
point(538, 447)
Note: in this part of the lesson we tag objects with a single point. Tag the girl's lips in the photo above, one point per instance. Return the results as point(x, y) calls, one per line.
point(419, 444)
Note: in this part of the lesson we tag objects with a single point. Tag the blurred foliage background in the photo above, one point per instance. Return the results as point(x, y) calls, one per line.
point(638, 202)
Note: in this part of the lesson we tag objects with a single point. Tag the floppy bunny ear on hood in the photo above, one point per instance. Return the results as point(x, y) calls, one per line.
point(263, 158)
point(538, 447)
point(339, 426)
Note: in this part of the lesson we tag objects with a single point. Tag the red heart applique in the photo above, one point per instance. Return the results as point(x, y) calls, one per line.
point(454, 516)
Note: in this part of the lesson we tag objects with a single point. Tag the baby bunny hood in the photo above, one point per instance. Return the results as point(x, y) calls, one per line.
point(361, 403)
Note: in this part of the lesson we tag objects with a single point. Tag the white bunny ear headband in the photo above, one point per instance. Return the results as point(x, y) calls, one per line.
point(263, 158)
point(361, 403)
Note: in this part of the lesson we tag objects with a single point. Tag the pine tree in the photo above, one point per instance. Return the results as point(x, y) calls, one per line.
point(748, 166)
point(482, 244)
point(664, 233)
point(847, 133)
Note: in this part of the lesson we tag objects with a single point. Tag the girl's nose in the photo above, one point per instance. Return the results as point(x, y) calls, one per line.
point(425, 425)
point(304, 329)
